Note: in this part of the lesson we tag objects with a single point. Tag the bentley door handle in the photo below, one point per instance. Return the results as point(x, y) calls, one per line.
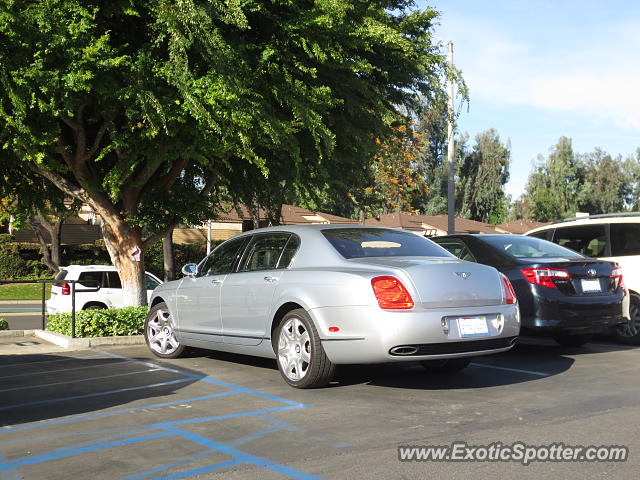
point(270, 279)
point(216, 281)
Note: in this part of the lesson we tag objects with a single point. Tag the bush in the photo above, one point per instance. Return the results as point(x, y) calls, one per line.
point(3, 324)
point(101, 323)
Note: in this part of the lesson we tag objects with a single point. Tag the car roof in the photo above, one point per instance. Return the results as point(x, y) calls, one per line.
point(89, 267)
point(633, 217)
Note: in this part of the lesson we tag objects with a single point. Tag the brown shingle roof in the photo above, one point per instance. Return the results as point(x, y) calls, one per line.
point(415, 222)
point(289, 215)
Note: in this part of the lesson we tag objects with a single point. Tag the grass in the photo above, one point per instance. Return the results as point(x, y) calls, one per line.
point(23, 291)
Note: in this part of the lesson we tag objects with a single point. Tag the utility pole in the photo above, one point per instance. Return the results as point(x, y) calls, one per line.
point(451, 147)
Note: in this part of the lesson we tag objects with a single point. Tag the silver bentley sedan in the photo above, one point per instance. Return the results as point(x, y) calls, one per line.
point(316, 296)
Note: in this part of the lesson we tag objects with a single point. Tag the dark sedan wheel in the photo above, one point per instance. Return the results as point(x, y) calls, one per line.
point(573, 340)
point(159, 335)
point(301, 358)
point(629, 333)
point(449, 365)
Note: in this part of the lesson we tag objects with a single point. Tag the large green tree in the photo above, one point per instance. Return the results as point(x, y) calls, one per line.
point(143, 109)
point(552, 187)
point(483, 172)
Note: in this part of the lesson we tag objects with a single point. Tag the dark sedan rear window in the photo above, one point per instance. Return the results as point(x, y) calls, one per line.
point(375, 242)
point(529, 247)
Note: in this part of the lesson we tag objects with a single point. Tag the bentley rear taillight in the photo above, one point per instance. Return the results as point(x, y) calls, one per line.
point(66, 288)
point(509, 293)
point(391, 293)
point(545, 276)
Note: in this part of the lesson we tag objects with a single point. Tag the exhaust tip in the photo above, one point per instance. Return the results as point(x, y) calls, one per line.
point(404, 350)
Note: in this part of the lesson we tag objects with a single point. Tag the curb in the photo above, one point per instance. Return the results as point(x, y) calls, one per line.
point(67, 342)
point(20, 302)
point(16, 333)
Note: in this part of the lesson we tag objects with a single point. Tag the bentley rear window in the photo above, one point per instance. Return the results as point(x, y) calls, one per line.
point(377, 242)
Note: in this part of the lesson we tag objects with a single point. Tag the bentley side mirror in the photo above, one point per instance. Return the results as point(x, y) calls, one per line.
point(190, 269)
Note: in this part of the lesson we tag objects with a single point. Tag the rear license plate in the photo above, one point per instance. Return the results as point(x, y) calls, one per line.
point(473, 326)
point(591, 286)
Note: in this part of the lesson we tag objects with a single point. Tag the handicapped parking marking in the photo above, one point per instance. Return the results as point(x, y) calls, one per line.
point(117, 437)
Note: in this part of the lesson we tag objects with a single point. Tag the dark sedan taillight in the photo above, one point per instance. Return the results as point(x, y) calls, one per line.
point(545, 276)
point(616, 278)
point(391, 293)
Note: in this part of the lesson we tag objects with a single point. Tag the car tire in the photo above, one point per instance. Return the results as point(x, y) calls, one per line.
point(446, 365)
point(301, 359)
point(159, 334)
point(629, 332)
point(573, 340)
point(94, 306)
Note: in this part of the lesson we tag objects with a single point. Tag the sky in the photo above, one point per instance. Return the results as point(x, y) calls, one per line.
point(539, 70)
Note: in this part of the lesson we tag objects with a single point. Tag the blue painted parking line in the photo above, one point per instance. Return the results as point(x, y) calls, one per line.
point(91, 416)
point(240, 457)
point(127, 436)
point(169, 466)
point(56, 454)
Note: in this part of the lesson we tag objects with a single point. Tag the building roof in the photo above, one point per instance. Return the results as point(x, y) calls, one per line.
point(289, 215)
point(425, 223)
point(520, 226)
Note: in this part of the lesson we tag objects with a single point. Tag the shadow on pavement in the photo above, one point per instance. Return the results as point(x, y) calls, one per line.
point(44, 386)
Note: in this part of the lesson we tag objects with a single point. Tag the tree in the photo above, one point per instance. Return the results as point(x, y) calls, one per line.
point(483, 173)
point(605, 184)
point(396, 178)
point(33, 202)
point(552, 188)
point(142, 109)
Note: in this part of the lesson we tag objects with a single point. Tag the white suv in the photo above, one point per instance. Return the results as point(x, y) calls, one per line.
point(614, 237)
point(109, 295)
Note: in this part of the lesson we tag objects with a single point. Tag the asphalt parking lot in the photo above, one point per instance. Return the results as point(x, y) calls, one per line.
point(119, 412)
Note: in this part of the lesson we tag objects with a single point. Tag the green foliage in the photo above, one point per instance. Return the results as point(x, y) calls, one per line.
point(482, 175)
point(151, 110)
point(101, 323)
point(566, 183)
point(11, 265)
point(3, 324)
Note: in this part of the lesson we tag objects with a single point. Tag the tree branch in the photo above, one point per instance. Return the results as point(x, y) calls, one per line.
point(150, 241)
point(67, 186)
point(98, 139)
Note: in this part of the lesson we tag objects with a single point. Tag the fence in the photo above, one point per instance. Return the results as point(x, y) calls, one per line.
point(74, 290)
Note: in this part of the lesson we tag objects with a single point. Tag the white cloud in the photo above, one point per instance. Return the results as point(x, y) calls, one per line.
point(591, 73)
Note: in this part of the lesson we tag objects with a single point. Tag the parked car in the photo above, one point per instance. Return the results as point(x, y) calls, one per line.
point(319, 295)
point(561, 293)
point(103, 277)
point(614, 237)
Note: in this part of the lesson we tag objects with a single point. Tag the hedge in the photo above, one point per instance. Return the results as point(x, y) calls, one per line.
point(101, 323)
point(3, 324)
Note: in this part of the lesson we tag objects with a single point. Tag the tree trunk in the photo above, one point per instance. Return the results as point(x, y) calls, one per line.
point(361, 216)
point(44, 247)
point(167, 255)
point(51, 253)
point(125, 248)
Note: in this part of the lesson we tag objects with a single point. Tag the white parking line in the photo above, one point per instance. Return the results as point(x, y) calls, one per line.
point(530, 372)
